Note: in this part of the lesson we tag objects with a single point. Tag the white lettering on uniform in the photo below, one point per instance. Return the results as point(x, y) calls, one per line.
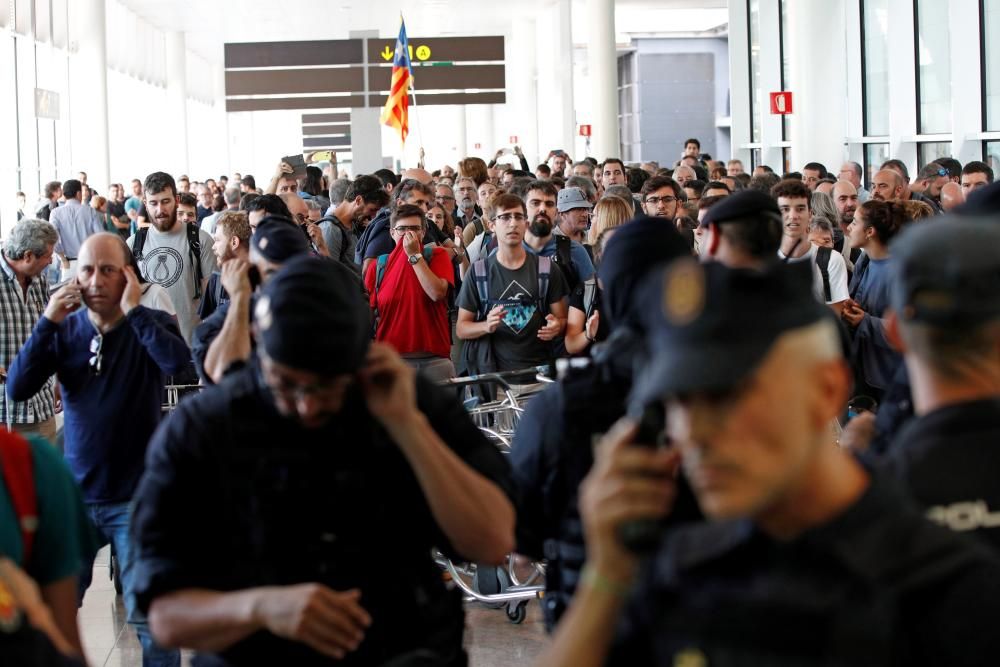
point(964, 516)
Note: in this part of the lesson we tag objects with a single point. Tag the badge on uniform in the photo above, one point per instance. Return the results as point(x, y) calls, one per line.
point(690, 657)
point(683, 292)
point(263, 313)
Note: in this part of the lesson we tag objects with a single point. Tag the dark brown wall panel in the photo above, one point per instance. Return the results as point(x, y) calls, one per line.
point(295, 81)
point(294, 54)
point(326, 117)
point(325, 129)
point(434, 99)
point(441, 48)
point(430, 78)
point(326, 142)
point(272, 103)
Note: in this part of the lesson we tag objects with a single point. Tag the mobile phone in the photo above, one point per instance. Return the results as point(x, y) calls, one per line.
point(253, 274)
point(643, 535)
point(297, 163)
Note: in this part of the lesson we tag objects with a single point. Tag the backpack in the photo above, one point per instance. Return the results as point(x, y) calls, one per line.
point(564, 260)
point(194, 249)
point(19, 477)
point(380, 265)
point(823, 262)
point(589, 292)
point(335, 222)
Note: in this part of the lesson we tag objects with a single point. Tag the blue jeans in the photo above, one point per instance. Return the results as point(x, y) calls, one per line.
point(112, 521)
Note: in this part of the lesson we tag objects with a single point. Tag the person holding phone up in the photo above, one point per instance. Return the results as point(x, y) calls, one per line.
point(275, 503)
point(111, 357)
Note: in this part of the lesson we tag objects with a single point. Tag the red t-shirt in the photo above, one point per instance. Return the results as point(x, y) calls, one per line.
point(408, 319)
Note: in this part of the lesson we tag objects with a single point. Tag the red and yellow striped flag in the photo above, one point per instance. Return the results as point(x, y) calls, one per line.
point(395, 113)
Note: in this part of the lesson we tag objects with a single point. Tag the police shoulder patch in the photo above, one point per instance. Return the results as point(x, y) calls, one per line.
point(683, 292)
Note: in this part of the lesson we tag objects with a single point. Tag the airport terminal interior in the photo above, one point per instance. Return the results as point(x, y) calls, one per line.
point(537, 332)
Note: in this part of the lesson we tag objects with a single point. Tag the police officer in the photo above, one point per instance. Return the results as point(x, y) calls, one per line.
point(742, 231)
point(806, 558)
point(946, 321)
point(552, 449)
point(288, 514)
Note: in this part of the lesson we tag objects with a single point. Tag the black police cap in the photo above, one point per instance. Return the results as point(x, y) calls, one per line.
point(742, 205)
point(947, 272)
point(279, 239)
point(711, 326)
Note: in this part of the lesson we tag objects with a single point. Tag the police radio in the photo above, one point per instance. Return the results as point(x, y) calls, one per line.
point(643, 535)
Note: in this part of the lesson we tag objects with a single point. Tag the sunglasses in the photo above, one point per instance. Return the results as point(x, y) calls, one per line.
point(96, 344)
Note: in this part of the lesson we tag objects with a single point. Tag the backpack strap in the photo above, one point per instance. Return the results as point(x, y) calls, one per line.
point(564, 258)
point(544, 273)
point(380, 263)
point(589, 292)
point(482, 281)
point(335, 222)
point(19, 477)
point(138, 242)
point(823, 262)
point(194, 248)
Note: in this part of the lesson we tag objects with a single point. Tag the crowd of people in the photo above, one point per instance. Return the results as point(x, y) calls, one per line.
point(780, 385)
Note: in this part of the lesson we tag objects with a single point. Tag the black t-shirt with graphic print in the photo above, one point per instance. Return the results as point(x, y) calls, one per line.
point(515, 342)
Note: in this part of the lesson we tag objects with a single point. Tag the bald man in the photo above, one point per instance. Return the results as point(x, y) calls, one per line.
point(417, 174)
point(300, 214)
point(951, 196)
point(888, 184)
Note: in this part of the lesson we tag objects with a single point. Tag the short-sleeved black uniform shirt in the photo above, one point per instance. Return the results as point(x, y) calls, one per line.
point(236, 496)
point(515, 342)
point(878, 585)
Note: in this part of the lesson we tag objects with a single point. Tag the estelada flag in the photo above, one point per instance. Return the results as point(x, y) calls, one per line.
point(395, 113)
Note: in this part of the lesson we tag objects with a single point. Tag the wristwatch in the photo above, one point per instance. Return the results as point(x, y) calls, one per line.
point(416, 257)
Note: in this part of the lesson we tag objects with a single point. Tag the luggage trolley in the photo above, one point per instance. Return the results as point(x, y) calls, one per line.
point(496, 408)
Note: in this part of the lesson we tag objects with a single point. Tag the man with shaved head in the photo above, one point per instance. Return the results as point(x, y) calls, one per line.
point(888, 184)
point(111, 357)
point(846, 198)
point(951, 196)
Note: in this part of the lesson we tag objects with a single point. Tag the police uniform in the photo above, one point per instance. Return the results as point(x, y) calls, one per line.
point(876, 585)
point(553, 447)
point(238, 496)
point(948, 277)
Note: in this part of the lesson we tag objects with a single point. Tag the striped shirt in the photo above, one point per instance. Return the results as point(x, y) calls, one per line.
point(18, 316)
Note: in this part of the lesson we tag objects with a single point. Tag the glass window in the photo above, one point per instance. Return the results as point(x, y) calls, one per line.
point(875, 50)
point(753, 12)
point(991, 54)
point(991, 155)
point(930, 151)
point(933, 67)
point(875, 155)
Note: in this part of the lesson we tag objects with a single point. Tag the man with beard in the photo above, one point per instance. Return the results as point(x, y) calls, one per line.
point(231, 240)
point(845, 198)
point(570, 256)
point(467, 211)
point(364, 197)
point(517, 299)
point(111, 357)
point(172, 254)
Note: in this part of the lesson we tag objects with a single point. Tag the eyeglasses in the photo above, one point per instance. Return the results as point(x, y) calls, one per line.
point(656, 200)
point(444, 198)
point(407, 228)
point(96, 344)
point(508, 217)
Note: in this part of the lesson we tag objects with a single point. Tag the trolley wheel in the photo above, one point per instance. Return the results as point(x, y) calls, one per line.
point(490, 580)
point(516, 613)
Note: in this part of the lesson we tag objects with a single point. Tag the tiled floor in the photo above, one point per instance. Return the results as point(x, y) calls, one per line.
point(490, 638)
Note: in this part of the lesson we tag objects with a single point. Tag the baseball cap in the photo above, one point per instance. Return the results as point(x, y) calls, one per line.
point(742, 205)
point(278, 239)
point(311, 295)
point(570, 198)
point(710, 326)
point(947, 272)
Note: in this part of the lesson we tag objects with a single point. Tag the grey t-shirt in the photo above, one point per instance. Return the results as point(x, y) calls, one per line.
point(166, 261)
point(335, 234)
point(515, 342)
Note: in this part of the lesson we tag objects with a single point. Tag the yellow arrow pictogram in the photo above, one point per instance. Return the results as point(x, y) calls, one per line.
point(387, 53)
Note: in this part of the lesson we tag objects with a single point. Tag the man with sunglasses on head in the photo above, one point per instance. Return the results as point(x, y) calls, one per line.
point(112, 357)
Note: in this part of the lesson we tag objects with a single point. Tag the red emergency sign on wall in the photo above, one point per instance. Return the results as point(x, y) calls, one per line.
point(781, 103)
point(513, 138)
point(584, 130)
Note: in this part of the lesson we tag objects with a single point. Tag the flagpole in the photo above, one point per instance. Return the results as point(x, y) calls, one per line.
point(416, 115)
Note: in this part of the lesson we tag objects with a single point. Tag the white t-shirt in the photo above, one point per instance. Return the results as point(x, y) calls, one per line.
point(155, 297)
point(166, 260)
point(837, 269)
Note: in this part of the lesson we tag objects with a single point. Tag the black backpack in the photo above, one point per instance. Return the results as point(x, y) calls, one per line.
point(564, 260)
point(194, 249)
point(335, 222)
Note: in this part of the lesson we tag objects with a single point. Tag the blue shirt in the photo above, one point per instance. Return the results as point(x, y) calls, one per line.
point(109, 417)
point(74, 222)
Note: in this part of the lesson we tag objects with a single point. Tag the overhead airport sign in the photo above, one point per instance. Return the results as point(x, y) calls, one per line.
point(356, 73)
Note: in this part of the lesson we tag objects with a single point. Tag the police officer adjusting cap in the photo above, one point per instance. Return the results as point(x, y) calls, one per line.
point(278, 239)
point(710, 326)
point(570, 198)
point(947, 272)
point(746, 204)
point(311, 316)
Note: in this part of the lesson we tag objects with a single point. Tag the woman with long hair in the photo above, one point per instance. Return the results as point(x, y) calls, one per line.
point(874, 360)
